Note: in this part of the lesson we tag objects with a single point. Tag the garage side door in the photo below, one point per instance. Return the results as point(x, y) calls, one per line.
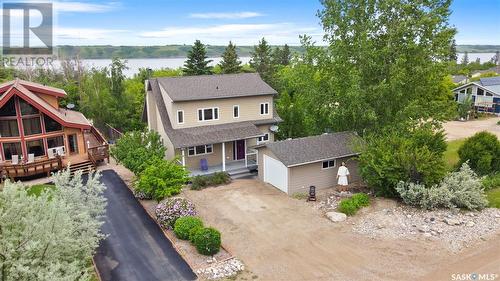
point(276, 173)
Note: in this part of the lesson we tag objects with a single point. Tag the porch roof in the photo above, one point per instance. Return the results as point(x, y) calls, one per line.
point(213, 134)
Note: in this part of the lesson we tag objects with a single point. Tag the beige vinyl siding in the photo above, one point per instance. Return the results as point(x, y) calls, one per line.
point(152, 113)
point(303, 176)
point(264, 129)
point(249, 110)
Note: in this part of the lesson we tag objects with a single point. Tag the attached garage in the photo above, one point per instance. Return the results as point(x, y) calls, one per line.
point(293, 165)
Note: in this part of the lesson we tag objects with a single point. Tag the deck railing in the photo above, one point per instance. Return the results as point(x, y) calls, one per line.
point(98, 153)
point(29, 169)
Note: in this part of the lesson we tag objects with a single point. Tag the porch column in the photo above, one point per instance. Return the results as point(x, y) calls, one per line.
point(223, 156)
point(183, 157)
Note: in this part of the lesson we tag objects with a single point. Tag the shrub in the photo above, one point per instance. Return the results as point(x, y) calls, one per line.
point(141, 195)
point(413, 155)
point(482, 151)
point(361, 199)
point(173, 208)
point(193, 231)
point(218, 178)
point(491, 181)
point(348, 207)
point(460, 189)
point(351, 205)
point(135, 150)
point(207, 241)
point(162, 179)
point(184, 225)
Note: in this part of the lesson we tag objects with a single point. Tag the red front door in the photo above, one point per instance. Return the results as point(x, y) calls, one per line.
point(240, 149)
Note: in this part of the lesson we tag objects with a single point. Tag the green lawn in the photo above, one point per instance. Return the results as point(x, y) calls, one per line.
point(494, 197)
point(37, 189)
point(451, 154)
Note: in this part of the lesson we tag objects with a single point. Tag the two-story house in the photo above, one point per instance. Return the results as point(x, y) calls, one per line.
point(210, 122)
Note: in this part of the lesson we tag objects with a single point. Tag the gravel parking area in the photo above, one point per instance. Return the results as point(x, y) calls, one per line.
point(459, 130)
point(280, 238)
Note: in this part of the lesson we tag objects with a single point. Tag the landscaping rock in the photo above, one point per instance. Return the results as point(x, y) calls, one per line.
point(451, 221)
point(224, 269)
point(336, 216)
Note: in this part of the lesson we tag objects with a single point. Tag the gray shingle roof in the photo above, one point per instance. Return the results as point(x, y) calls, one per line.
point(314, 149)
point(202, 87)
point(210, 134)
point(490, 81)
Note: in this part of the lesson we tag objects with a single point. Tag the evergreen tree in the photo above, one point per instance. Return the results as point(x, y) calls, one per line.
point(282, 56)
point(197, 63)
point(453, 51)
point(261, 60)
point(465, 59)
point(230, 62)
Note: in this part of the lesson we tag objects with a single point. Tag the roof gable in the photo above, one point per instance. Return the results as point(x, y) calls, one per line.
point(202, 87)
point(33, 87)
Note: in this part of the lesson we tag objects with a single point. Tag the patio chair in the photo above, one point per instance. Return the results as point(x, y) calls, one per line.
point(15, 159)
point(51, 154)
point(204, 164)
point(31, 158)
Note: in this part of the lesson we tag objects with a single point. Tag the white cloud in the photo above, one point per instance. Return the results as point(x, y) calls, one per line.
point(65, 33)
point(82, 7)
point(241, 34)
point(238, 15)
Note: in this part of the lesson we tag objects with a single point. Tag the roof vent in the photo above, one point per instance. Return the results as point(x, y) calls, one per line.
point(217, 87)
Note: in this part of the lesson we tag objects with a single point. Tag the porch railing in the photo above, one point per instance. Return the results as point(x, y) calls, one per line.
point(29, 169)
point(251, 158)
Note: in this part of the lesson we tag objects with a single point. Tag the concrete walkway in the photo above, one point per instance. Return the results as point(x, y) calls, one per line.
point(135, 248)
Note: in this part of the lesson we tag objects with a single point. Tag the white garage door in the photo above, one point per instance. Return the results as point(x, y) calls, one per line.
point(276, 173)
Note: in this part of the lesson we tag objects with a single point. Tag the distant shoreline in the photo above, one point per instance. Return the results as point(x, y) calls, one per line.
point(180, 51)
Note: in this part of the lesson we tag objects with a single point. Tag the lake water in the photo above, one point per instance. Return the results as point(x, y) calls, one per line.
point(134, 64)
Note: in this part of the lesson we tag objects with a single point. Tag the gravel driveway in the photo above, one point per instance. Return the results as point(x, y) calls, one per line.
point(280, 238)
point(136, 248)
point(459, 130)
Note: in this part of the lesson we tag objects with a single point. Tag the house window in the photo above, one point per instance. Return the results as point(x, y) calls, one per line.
point(207, 114)
point(55, 142)
point(200, 150)
point(263, 138)
point(8, 128)
point(264, 108)
point(51, 125)
point(32, 126)
point(329, 164)
point(9, 109)
point(480, 92)
point(236, 111)
point(26, 108)
point(35, 147)
point(10, 149)
point(488, 94)
point(180, 116)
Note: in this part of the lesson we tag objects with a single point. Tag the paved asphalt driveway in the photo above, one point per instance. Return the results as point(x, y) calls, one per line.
point(135, 248)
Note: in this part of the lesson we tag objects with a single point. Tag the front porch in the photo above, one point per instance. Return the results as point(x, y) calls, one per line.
point(233, 156)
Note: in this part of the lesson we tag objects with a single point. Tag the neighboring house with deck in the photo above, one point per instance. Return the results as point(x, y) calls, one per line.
point(37, 136)
point(484, 94)
point(211, 122)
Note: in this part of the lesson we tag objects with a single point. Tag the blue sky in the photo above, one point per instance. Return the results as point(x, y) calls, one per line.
point(132, 22)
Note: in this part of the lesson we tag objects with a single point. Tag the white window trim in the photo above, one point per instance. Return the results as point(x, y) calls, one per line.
point(329, 167)
point(203, 114)
point(263, 141)
point(236, 106)
point(198, 154)
point(183, 119)
point(268, 109)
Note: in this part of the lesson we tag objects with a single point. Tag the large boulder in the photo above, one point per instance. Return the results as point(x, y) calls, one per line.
point(336, 216)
